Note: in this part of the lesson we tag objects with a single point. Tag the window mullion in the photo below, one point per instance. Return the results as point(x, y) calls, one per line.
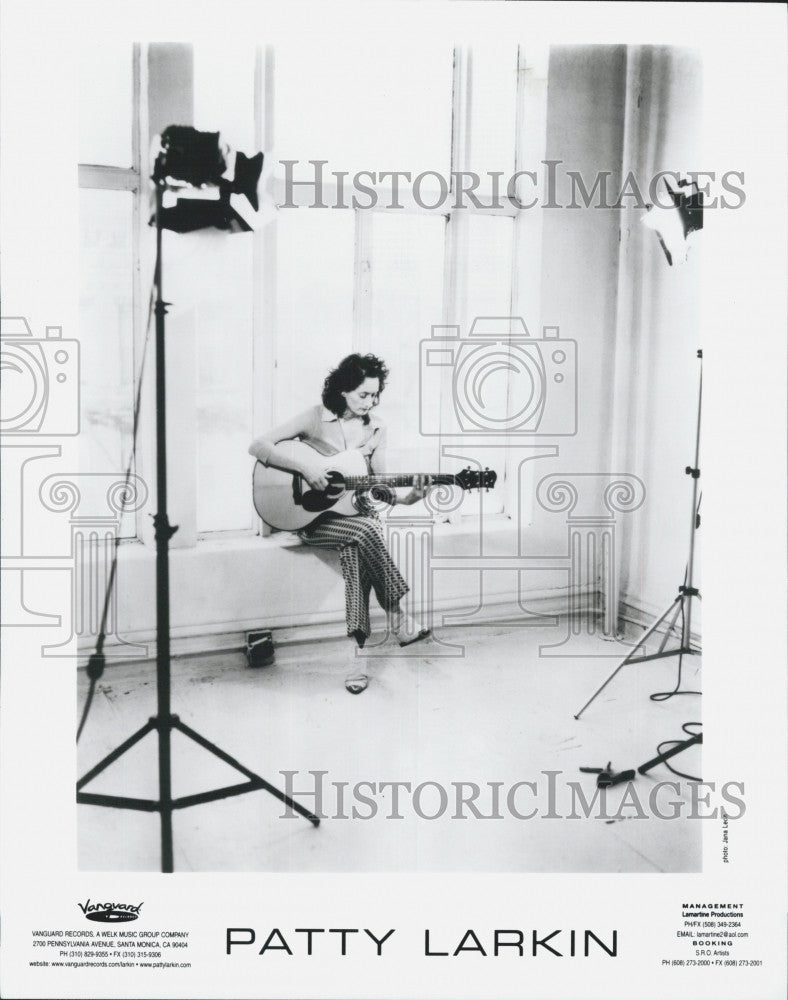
point(109, 178)
point(143, 315)
point(264, 317)
point(138, 316)
point(455, 271)
point(530, 138)
point(362, 279)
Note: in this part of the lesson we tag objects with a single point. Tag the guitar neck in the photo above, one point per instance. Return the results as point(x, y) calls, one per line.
point(397, 479)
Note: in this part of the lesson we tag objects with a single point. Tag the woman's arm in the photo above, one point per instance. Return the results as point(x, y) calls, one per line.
point(377, 462)
point(419, 490)
point(265, 449)
point(377, 453)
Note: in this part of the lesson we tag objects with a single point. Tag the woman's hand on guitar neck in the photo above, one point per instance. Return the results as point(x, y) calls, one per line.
point(420, 486)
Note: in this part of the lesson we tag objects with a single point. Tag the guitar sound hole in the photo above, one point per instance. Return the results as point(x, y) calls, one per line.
point(319, 500)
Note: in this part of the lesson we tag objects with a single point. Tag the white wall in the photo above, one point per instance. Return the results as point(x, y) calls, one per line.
point(580, 245)
point(660, 336)
point(606, 282)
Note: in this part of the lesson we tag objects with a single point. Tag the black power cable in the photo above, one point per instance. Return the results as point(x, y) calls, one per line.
point(666, 695)
point(666, 744)
point(98, 661)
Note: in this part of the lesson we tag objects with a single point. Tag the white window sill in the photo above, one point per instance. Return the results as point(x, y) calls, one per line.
point(135, 550)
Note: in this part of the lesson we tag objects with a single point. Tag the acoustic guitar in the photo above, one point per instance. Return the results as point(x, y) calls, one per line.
point(286, 501)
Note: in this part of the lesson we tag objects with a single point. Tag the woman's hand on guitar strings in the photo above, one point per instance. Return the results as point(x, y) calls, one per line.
point(420, 486)
point(315, 475)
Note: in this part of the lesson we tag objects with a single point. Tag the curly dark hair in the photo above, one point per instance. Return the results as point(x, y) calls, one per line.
point(348, 375)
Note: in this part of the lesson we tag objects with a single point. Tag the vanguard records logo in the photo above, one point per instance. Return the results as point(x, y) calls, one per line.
point(106, 913)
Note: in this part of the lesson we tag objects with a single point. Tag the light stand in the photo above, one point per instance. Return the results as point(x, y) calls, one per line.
point(164, 722)
point(682, 603)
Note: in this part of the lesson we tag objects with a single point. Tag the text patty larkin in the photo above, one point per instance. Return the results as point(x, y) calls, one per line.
point(349, 941)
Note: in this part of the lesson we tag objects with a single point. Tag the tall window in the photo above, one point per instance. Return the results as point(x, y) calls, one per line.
point(382, 279)
point(222, 293)
point(373, 278)
point(109, 181)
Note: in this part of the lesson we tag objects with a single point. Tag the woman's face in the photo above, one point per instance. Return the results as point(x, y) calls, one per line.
point(360, 400)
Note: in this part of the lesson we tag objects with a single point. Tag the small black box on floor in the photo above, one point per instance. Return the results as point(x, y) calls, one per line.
point(260, 648)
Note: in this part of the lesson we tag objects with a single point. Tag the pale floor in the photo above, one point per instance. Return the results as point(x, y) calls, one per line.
point(502, 712)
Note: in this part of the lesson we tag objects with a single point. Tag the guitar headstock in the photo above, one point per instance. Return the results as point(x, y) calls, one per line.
point(476, 479)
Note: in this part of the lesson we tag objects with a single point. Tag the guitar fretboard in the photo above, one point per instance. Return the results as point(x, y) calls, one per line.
point(397, 479)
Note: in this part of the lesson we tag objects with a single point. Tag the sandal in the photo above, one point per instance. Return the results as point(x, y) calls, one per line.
point(408, 631)
point(421, 634)
point(356, 683)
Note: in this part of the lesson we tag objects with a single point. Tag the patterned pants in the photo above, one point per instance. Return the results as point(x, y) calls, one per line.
point(366, 565)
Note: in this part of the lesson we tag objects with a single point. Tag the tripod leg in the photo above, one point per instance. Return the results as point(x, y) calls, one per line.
point(165, 799)
point(117, 752)
point(670, 627)
point(628, 658)
point(261, 782)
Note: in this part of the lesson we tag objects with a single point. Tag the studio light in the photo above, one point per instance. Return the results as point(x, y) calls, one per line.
point(675, 223)
point(207, 186)
point(205, 183)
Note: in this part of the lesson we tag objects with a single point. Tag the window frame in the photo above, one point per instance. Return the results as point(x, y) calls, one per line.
point(524, 279)
point(524, 283)
point(106, 177)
